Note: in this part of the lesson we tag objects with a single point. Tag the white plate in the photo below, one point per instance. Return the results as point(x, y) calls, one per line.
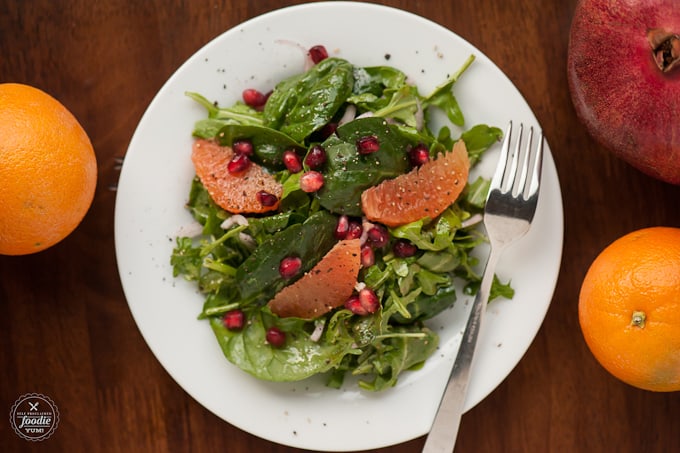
point(150, 213)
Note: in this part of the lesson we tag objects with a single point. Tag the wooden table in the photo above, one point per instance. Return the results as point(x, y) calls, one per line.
point(65, 327)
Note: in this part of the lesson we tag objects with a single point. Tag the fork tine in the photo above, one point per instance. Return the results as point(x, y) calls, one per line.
point(499, 175)
point(523, 158)
point(534, 168)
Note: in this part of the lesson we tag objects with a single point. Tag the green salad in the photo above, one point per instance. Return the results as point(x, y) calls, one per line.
point(308, 125)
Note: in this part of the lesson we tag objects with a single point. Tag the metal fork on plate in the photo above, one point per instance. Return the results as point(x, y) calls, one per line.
point(510, 207)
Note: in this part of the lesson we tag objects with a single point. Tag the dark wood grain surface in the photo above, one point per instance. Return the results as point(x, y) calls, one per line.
point(65, 327)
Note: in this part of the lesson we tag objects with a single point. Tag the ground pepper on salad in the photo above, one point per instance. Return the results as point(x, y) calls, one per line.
point(334, 222)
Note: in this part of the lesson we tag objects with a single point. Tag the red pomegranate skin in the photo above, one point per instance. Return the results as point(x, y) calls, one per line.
point(625, 101)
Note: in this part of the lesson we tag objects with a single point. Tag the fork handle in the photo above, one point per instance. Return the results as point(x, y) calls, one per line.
point(442, 436)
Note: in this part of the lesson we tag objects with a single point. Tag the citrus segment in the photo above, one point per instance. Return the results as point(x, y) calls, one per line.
point(629, 308)
point(48, 170)
point(234, 193)
point(326, 286)
point(425, 191)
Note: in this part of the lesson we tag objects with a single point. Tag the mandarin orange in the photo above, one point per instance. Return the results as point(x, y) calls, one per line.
point(629, 308)
point(48, 170)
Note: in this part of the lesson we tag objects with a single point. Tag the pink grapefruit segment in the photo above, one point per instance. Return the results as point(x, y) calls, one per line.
point(425, 191)
point(326, 286)
point(233, 193)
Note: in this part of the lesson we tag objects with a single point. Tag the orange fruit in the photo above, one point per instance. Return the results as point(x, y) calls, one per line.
point(48, 170)
point(425, 191)
point(629, 308)
point(233, 193)
point(326, 286)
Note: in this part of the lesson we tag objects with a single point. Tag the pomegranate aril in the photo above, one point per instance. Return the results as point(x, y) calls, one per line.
point(354, 230)
point(368, 144)
point(290, 266)
point(275, 337)
point(254, 98)
point(418, 155)
point(238, 164)
point(367, 256)
point(244, 147)
point(369, 300)
point(311, 181)
point(292, 161)
point(328, 130)
point(267, 199)
point(316, 157)
point(318, 53)
point(404, 249)
point(234, 319)
point(378, 236)
point(342, 227)
point(353, 304)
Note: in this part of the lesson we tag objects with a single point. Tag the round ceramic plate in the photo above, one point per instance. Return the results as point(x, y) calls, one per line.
point(150, 214)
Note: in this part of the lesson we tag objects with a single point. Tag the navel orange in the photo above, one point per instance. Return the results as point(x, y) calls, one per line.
point(425, 191)
point(629, 308)
point(48, 170)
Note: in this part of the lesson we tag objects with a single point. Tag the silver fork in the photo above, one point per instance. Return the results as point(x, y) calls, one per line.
point(510, 207)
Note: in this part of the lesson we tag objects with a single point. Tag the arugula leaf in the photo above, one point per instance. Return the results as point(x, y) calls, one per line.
point(443, 96)
point(218, 117)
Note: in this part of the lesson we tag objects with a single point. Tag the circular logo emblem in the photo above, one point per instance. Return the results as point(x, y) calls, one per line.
point(34, 417)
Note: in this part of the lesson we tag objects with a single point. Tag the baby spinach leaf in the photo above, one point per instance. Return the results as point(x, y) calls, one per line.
point(258, 276)
point(300, 359)
point(305, 103)
point(349, 173)
point(268, 144)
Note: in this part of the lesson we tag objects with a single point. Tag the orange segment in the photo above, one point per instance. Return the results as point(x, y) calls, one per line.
point(629, 309)
point(425, 191)
point(326, 286)
point(234, 193)
point(48, 170)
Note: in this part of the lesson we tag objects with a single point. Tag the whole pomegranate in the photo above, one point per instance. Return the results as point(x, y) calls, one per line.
point(624, 77)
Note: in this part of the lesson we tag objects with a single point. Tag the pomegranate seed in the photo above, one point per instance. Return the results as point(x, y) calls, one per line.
point(369, 300)
point(367, 256)
point(328, 130)
point(378, 236)
point(318, 53)
point(311, 181)
point(353, 304)
point(238, 164)
point(254, 98)
point(354, 230)
point(418, 155)
point(368, 144)
point(244, 147)
point(276, 337)
point(267, 199)
point(342, 227)
point(292, 161)
point(316, 157)
point(403, 248)
point(290, 266)
point(234, 319)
